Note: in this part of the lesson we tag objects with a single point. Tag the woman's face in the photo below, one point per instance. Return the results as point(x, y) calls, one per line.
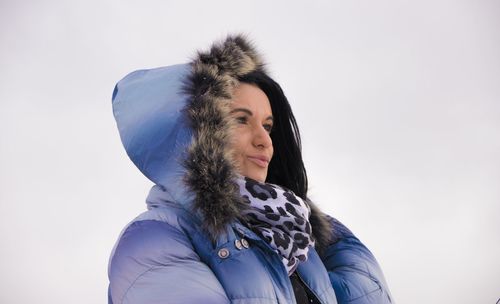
point(251, 142)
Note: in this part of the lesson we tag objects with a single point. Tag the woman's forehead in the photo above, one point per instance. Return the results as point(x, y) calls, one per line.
point(251, 97)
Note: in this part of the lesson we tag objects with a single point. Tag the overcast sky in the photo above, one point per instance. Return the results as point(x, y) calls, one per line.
point(398, 104)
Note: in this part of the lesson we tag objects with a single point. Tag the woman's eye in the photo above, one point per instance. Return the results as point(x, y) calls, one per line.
point(241, 119)
point(268, 128)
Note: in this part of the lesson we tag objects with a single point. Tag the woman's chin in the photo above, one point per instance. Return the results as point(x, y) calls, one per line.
point(258, 176)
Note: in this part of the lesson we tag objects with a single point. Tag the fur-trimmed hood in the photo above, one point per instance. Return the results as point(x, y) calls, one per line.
point(174, 123)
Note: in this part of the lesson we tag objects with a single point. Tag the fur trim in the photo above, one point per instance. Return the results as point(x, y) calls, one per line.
point(321, 228)
point(209, 164)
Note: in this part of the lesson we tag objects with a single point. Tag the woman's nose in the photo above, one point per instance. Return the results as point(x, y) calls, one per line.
point(262, 138)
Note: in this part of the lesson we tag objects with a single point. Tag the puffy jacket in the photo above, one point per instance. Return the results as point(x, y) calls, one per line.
point(190, 246)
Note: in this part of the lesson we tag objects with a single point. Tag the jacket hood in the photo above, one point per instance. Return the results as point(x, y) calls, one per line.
point(174, 124)
point(148, 106)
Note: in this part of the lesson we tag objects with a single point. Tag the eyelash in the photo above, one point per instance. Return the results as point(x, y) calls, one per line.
point(244, 120)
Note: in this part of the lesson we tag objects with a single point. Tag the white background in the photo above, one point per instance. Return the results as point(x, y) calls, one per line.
point(398, 103)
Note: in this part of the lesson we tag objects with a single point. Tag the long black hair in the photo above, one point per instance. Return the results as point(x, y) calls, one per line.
point(286, 167)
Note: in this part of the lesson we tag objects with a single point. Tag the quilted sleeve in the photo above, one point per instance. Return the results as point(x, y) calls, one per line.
point(354, 272)
point(155, 262)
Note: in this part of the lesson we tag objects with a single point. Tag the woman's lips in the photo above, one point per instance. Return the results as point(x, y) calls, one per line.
point(260, 161)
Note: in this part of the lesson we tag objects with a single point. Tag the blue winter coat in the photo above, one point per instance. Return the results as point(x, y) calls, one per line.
point(190, 246)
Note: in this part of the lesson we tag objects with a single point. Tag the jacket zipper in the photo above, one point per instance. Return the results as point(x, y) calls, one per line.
point(309, 288)
point(268, 247)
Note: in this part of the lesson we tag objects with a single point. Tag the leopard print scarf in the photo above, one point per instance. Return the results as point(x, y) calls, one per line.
point(280, 217)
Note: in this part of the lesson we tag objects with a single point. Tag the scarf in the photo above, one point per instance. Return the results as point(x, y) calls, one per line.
point(280, 218)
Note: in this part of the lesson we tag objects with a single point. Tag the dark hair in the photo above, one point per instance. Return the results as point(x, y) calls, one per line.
point(286, 167)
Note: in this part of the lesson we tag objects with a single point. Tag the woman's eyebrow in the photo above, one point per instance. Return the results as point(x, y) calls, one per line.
point(247, 111)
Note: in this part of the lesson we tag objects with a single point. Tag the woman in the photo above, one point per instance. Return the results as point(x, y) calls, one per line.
point(228, 219)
